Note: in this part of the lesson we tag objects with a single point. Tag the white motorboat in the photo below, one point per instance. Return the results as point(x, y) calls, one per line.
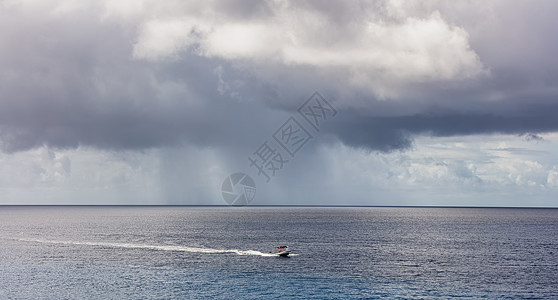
point(281, 251)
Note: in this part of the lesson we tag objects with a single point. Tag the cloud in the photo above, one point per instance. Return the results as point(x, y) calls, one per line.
point(160, 39)
point(371, 49)
point(396, 132)
point(552, 179)
point(472, 170)
point(144, 74)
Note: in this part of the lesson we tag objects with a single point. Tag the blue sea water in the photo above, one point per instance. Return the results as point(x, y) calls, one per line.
point(221, 253)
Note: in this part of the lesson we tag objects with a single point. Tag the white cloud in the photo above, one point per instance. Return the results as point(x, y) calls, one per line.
point(495, 169)
point(82, 176)
point(437, 171)
point(552, 179)
point(375, 53)
point(160, 39)
point(381, 48)
point(243, 41)
point(413, 50)
point(37, 167)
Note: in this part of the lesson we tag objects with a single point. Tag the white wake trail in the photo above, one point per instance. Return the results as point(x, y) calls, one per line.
point(153, 247)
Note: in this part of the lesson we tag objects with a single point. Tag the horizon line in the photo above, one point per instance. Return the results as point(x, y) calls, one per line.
point(272, 205)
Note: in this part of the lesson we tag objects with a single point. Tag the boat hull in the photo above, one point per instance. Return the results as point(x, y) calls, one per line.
point(284, 253)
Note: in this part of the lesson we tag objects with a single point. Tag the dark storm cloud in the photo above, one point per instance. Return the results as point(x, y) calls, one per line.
point(395, 133)
point(134, 106)
point(71, 80)
point(66, 86)
point(393, 125)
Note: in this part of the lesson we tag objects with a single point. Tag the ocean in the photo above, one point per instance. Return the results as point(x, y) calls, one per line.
point(142, 252)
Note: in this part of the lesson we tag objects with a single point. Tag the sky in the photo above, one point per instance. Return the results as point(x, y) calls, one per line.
point(318, 102)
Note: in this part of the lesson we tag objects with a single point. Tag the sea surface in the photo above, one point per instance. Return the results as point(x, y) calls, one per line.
point(222, 253)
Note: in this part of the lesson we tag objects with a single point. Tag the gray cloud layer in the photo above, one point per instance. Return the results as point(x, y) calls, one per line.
point(96, 76)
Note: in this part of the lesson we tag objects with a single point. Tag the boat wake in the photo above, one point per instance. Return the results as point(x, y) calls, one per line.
point(154, 247)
